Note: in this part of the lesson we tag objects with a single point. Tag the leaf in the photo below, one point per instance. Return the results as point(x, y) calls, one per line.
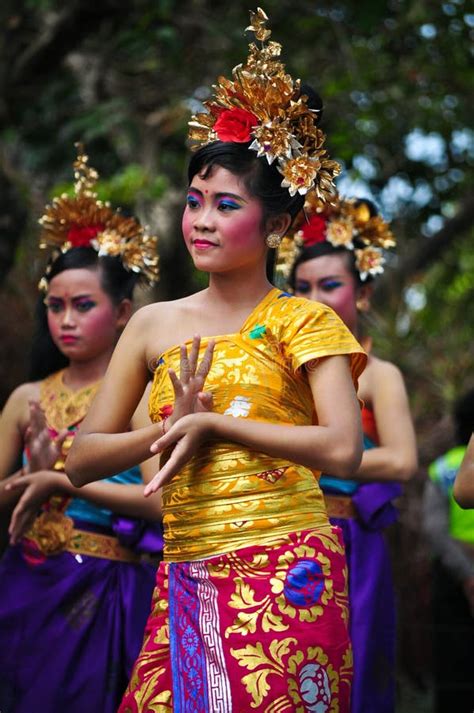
point(245, 622)
point(280, 648)
point(251, 656)
point(244, 596)
point(257, 685)
point(272, 621)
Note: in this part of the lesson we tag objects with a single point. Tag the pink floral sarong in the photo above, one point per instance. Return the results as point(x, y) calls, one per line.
point(262, 629)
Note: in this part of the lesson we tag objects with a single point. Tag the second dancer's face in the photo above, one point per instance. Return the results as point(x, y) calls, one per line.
point(329, 280)
point(222, 223)
point(82, 320)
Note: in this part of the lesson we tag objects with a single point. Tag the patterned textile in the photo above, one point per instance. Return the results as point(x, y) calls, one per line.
point(262, 629)
point(71, 624)
point(250, 608)
point(65, 408)
point(371, 593)
point(227, 496)
point(71, 627)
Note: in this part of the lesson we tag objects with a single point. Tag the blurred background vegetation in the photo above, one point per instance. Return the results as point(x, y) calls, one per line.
point(123, 76)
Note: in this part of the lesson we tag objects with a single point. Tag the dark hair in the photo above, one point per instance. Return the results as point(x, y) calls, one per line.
point(463, 413)
point(318, 250)
point(261, 179)
point(117, 282)
point(326, 248)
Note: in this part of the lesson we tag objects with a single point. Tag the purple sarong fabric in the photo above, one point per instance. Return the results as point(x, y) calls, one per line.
point(372, 623)
point(140, 535)
point(373, 502)
point(71, 627)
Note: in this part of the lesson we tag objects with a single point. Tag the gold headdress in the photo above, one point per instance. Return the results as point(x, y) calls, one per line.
point(345, 223)
point(264, 105)
point(84, 221)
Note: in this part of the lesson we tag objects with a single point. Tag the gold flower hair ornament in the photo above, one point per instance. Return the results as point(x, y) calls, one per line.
point(84, 221)
point(346, 223)
point(263, 105)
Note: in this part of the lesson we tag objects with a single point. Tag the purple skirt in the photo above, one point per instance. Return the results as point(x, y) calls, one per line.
point(71, 627)
point(372, 621)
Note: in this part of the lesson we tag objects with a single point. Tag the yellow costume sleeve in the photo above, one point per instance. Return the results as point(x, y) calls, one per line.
point(315, 331)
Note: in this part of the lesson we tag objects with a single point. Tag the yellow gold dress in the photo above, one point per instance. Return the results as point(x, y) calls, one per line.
point(250, 608)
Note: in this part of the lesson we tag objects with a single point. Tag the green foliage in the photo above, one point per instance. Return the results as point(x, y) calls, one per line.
point(122, 77)
point(124, 188)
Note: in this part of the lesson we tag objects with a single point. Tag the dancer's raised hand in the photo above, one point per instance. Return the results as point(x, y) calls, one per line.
point(184, 438)
point(188, 387)
point(43, 448)
point(37, 488)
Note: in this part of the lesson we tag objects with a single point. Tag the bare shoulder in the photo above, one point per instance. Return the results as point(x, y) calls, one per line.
point(166, 312)
point(16, 408)
point(379, 377)
point(29, 391)
point(380, 370)
point(167, 324)
point(146, 322)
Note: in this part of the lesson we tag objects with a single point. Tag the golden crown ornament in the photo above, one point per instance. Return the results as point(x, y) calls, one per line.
point(345, 223)
point(82, 220)
point(262, 105)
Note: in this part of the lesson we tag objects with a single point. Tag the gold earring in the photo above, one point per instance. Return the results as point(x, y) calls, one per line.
point(363, 304)
point(273, 240)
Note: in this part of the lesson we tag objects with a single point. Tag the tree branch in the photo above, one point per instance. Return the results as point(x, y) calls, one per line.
point(430, 249)
point(59, 37)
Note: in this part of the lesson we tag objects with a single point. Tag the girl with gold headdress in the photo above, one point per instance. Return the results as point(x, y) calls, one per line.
point(333, 259)
point(250, 607)
point(75, 594)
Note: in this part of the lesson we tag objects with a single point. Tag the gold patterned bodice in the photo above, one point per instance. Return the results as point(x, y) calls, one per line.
point(226, 496)
point(64, 408)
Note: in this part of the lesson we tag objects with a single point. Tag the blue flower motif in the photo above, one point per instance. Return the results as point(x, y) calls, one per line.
point(160, 361)
point(315, 690)
point(190, 641)
point(284, 294)
point(304, 583)
point(194, 677)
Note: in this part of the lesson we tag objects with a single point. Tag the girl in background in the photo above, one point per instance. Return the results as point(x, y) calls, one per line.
point(74, 600)
point(339, 254)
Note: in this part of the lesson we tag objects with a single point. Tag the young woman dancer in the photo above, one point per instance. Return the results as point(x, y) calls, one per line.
point(250, 607)
point(74, 600)
point(340, 252)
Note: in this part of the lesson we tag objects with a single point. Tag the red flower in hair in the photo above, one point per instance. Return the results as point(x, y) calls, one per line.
point(80, 236)
point(235, 125)
point(314, 231)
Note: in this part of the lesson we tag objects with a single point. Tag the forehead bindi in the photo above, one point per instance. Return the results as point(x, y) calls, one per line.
point(220, 181)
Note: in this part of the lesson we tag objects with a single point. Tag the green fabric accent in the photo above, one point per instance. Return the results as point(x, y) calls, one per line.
point(258, 331)
point(461, 522)
point(450, 461)
point(443, 472)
